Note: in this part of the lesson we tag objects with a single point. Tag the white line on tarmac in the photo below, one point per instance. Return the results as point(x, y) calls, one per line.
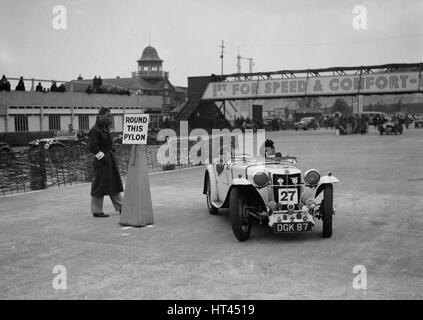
point(85, 183)
point(124, 228)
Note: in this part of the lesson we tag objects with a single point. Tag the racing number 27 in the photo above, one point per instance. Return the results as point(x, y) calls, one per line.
point(284, 195)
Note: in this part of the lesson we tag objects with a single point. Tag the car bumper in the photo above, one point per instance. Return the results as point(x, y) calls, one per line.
point(302, 215)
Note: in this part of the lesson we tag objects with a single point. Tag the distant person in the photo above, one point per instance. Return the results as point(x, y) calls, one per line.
point(95, 82)
point(107, 179)
point(39, 87)
point(3, 83)
point(71, 131)
point(21, 85)
point(53, 87)
point(407, 120)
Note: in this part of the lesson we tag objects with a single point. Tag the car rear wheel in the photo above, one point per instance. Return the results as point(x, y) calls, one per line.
point(327, 210)
point(210, 207)
point(241, 225)
point(6, 157)
point(57, 153)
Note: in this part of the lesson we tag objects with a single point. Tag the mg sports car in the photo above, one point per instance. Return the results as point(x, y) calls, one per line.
point(273, 191)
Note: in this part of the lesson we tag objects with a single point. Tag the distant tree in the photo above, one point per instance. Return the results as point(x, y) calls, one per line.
point(342, 106)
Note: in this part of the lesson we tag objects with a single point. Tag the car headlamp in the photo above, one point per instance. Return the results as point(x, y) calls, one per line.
point(261, 179)
point(310, 203)
point(312, 177)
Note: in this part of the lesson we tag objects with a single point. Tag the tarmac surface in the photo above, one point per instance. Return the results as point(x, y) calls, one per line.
point(189, 254)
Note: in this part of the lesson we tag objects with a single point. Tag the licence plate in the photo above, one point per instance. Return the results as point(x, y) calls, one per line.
point(292, 227)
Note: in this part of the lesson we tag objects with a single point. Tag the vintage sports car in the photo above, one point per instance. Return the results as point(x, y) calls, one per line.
point(306, 123)
point(60, 148)
point(390, 126)
point(273, 191)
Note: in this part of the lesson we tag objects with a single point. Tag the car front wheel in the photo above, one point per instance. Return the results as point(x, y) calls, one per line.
point(210, 207)
point(241, 225)
point(327, 210)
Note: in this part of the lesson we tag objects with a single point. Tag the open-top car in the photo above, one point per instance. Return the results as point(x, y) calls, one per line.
point(272, 190)
point(391, 125)
point(306, 123)
point(59, 148)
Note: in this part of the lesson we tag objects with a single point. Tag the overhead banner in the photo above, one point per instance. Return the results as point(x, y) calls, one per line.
point(135, 128)
point(315, 86)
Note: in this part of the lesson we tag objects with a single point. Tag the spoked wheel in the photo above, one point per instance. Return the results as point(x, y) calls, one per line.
point(327, 210)
point(57, 154)
point(6, 157)
point(210, 207)
point(241, 225)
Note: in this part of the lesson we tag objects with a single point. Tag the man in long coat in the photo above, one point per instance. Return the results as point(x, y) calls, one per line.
point(107, 179)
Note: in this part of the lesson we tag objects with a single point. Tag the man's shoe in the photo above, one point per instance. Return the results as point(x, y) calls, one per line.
point(100, 215)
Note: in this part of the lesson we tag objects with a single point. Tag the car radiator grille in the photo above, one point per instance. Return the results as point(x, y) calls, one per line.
point(285, 181)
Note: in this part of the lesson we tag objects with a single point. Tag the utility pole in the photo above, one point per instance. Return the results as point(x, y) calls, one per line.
point(221, 73)
point(221, 57)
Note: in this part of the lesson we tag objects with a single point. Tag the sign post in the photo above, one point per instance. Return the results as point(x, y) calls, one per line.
point(137, 209)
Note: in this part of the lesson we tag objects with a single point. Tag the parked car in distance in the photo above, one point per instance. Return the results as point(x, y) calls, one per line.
point(418, 122)
point(307, 123)
point(392, 125)
point(62, 146)
point(6, 154)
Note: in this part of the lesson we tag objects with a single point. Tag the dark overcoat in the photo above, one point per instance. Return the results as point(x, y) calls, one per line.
point(107, 179)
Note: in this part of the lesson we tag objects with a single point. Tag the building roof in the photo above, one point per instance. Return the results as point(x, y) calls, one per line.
point(181, 89)
point(133, 84)
point(149, 54)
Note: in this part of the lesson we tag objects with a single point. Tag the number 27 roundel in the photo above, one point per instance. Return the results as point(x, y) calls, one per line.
point(288, 195)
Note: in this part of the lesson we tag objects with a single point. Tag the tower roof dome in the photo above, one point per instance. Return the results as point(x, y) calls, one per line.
point(150, 54)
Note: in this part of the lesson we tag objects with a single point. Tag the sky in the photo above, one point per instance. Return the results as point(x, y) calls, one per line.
point(106, 37)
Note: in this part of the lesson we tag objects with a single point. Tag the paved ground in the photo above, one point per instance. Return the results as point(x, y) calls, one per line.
point(189, 254)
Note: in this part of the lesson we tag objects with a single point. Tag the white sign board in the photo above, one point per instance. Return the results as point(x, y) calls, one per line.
point(326, 85)
point(135, 128)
